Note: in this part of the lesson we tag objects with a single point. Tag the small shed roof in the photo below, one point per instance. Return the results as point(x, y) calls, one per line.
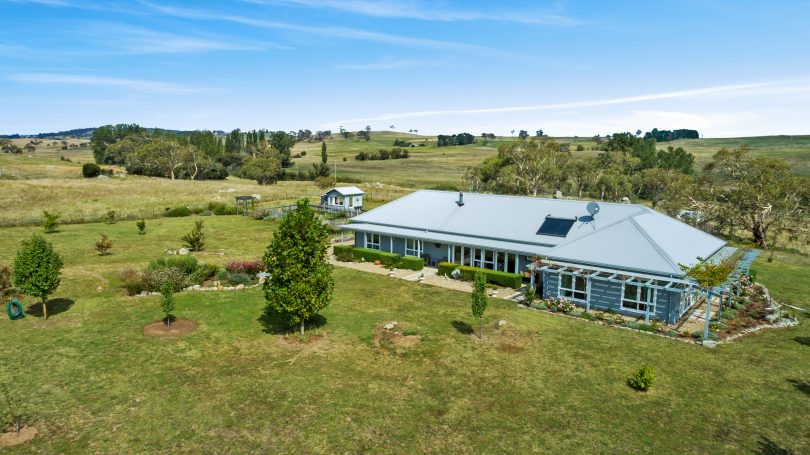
point(346, 190)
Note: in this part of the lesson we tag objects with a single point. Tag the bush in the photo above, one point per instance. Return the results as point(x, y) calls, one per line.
point(186, 264)
point(132, 281)
point(104, 245)
point(560, 305)
point(374, 255)
point(341, 249)
point(204, 272)
point(511, 280)
point(90, 170)
point(250, 267)
point(175, 212)
point(155, 279)
point(223, 275)
point(239, 278)
point(643, 379)
point(412, 263)
point(344, 257)
point(195, 240)
point(221, 208)
point(141, 224)
point(110, 217)
point(49, 221)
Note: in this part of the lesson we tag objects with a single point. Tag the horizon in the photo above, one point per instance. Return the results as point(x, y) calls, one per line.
point(563, 67)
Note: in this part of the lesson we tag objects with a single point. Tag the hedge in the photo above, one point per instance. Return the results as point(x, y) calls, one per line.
point(374, 255)
point(412, 263)
point(341, 249)
point(512, 280)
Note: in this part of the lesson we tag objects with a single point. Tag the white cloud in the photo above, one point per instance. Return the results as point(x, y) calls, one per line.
point(387, 64)
point(138, 85)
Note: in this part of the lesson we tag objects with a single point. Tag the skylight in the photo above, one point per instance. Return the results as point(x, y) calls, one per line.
point(556, 227)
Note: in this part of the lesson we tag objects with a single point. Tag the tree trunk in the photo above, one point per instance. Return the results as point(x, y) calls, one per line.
point(760, 235)
point(302, 327)
point(44, 309)
point(481, 328)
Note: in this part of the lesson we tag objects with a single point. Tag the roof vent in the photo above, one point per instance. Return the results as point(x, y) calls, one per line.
point(460, 200)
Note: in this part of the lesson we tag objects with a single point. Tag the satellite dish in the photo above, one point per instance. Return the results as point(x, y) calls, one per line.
point(592, 208)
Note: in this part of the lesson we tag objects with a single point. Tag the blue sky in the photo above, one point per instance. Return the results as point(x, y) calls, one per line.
point(726, 68)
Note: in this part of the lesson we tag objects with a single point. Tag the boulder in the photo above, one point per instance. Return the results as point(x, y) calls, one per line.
point(240, 286)
point(182, 251)
point(709, 344)
point(502, 323)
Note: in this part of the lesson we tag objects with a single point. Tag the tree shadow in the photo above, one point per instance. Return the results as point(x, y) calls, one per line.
point(274, 323)
point(462, 327)
point(54, 306)
point(768, 447)
point(802, 340)
point(803, 386)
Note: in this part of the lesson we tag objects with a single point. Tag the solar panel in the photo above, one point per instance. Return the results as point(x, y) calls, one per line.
point(556, 227)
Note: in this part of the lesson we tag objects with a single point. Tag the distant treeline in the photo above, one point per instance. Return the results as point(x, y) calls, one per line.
point(86, 133)
point(667, 135)
point(455, 139)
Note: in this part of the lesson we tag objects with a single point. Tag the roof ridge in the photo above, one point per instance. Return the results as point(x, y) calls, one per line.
point(522, 196)
point(676, 267)
point(595, 231)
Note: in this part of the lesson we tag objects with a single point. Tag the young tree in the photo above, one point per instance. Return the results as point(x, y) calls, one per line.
point(141, 224)
point(195, 240)
point(167, 302)
point(104, 245)
point(323, 152)
point(300, 280)
point(264, 170)
point(49, 221)
point(479, 300)
point(37, 270)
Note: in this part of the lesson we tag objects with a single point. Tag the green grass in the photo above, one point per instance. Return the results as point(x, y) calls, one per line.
point(93, 383)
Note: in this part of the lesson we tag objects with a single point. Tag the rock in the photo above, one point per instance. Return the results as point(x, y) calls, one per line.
point(389, 326)
point(190, 288)
point(240, 286)
point(182, 251)
point(709, 344)
point(502, 323)
point(196, 287)
point(558, 194)
point(171, 252)
point(143, 294)
point(772, 317)
point(99, 289)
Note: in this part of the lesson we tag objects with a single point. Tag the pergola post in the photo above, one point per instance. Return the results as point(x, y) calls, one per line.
point(647, 313)
point(708, 314)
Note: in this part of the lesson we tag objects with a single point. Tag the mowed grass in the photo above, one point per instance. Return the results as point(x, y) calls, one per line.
point(92, 383)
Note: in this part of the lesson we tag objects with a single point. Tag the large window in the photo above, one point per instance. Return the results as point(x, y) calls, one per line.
point(372, 241)
point(638, 297)
point(573, 286)
point(413, 247)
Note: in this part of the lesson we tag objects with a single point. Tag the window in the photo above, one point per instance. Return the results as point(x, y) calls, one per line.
point(637, 297)
point(413, 247)
point(556, 227)
point(339, 200)
point(573, 286)
point(372, 241)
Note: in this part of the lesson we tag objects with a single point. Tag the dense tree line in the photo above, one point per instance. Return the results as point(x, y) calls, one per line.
point(395, 153)
point(455, 139)
point(667, 135)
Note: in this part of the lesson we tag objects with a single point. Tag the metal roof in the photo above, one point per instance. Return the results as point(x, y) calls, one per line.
point(346, 190)
point(626, 236)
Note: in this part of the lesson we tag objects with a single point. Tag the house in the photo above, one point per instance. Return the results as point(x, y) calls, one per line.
point(624, 257)
point(343, 198)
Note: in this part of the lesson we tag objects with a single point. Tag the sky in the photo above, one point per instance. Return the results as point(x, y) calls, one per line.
point(725, 68)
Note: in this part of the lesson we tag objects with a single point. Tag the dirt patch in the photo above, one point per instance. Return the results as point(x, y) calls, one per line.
point(178, 328)
point(310, 339)
point(12, 438)
point(395, 338)
point(507, 340)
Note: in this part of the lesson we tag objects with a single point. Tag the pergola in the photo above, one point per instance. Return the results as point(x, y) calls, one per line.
point(243, 204)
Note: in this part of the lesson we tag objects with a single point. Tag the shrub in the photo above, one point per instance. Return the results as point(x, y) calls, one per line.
point(90, 170)
point(221, 208)
point(103, 245)
point(175, 212)
point(154, 280)
point(412, 263)
point(204, 272)
point(646, 328)
point(110, 217)
point(132, 281)
point(580, 148)
point(141, 224)
point(222, 275)
point(344, 257)
point(643, 379)
point(167, 302)
point(5, 280)
point(529, 295)
point(340, 249)
point(239, 278)
point(374, 255)
point(511, 280)
point(186, 264)
point(250, 267)
point(195, 240)
point(560, 305)
point(49, 221)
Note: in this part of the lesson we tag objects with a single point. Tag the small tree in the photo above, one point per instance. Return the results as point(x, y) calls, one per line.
point(642, 379)
point(110, 217)
point(530, 295)
point(195, 240)
point(103, 245)
point(37, 270)
point(10, 415)
point(167, 302)
point(479, 299)
point(707, 274)
point(49, 221)
point(141, 226)
point(5, 280)
point(300, 282)
point(91, 170)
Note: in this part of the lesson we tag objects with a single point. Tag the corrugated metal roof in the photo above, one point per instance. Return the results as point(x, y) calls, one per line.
point(628, 236)
point(346, 190)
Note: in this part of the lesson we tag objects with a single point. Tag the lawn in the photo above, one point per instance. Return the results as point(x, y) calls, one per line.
point(544, 383)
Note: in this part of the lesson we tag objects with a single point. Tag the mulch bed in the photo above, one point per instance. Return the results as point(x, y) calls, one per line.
point(12, 438)
point(178, 328)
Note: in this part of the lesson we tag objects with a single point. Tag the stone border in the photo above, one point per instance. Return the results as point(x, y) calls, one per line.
point(198, 287)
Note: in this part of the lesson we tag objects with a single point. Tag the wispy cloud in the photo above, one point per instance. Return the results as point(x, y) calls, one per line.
point(128, 39)
point(736, 88)
point(387, 64)
point(333, 32)
point(44, 2)
point(428, 11)
point(137, 85)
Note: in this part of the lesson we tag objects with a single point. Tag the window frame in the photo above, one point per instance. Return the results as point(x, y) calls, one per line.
point(652, 296)
point(371, 244)
point(572, 292)
point(419, 248)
